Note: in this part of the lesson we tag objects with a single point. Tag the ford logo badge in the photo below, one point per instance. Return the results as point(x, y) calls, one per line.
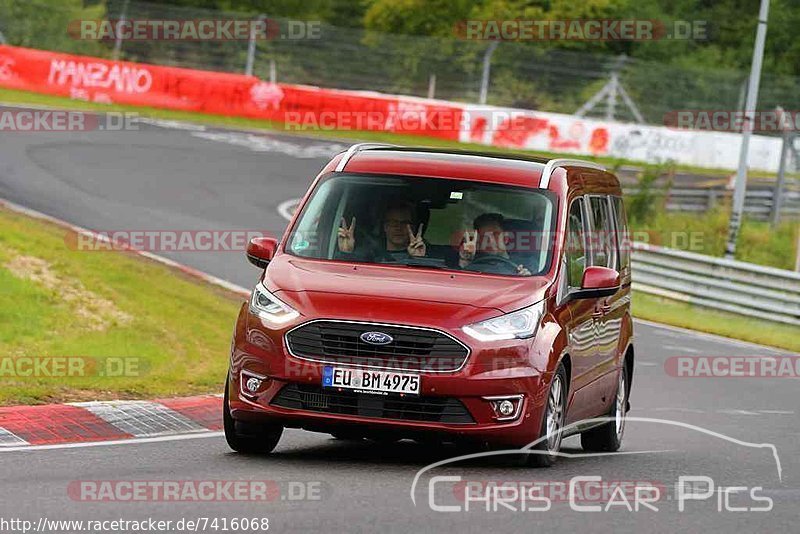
point(376, 338)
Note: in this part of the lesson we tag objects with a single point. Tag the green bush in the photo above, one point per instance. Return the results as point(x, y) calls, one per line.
point(648, 198)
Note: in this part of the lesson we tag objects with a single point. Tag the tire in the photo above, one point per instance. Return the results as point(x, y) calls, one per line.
point(344, 435)
point(432, 443)
point(608, 438)
point(245, 437)
point(383, 439)
point(545, 454)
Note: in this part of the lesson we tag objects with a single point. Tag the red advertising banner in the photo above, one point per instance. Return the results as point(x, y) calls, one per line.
point(298, 107)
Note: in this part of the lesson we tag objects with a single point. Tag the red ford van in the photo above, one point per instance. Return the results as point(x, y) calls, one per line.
point(442, 296)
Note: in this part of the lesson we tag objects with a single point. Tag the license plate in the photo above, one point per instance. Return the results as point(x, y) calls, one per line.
point(366, 381)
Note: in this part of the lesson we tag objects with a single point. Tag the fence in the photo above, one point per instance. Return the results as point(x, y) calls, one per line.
point(521, 75)
point(759, 202)
point(733, 286)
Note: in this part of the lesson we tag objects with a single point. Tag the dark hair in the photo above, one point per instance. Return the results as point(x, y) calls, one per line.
point(488, 218)
point(400, 204)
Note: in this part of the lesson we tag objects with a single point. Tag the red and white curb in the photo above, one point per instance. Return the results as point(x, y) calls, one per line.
point(23, 427)
point(85, 422)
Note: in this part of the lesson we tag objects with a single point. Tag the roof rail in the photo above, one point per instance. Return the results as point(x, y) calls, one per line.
point(353, 150)
point(553, 164)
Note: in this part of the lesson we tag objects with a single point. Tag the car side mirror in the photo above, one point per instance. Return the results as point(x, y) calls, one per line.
point(598, 282)
point(260, 250)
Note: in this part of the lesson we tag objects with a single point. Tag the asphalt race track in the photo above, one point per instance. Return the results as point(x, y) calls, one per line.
point(173, 177)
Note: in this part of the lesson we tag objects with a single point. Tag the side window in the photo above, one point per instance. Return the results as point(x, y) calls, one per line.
point(623, 236)
point(603, 242)
point(575, 245)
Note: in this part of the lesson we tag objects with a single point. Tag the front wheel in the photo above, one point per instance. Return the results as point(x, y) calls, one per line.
point(608, 438)
point(545, 453)
point(347, 435)
point(246, 437)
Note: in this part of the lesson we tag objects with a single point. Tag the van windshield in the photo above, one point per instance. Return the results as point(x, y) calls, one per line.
point(427, 222)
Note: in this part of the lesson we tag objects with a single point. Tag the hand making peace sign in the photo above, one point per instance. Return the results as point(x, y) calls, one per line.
point(416, 246)
point(346, 236)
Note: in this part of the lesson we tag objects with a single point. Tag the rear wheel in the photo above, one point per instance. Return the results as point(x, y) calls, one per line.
point(247, 437)
point(609, 436)
point(546, 451)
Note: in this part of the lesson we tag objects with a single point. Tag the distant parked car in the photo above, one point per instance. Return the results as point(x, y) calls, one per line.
point(440, 296)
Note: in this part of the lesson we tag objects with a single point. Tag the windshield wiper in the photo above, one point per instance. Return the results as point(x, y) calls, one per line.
point(421, 262)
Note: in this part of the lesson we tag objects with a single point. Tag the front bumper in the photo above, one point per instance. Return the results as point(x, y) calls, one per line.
point(492, 369)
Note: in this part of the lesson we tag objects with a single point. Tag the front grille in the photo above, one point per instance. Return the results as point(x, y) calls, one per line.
point(412, 349)
point(426, 409)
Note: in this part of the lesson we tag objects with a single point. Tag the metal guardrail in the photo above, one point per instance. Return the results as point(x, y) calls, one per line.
point(732, 286)
point(758, 202)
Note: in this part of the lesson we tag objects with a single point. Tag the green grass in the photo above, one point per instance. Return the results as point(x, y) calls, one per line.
point(661, 310)
point(175, 340)
point(25, 97)
point(706, 233)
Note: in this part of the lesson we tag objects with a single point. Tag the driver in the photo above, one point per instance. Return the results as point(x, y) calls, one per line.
point(400, 244)
point(485, 250)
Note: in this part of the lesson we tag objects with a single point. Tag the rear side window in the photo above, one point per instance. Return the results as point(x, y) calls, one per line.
point(576, 245)
point(623, 236)
point(603, 241)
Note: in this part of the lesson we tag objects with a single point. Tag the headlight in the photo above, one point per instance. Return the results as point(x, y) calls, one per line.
point(268, 307)
point(519, 324)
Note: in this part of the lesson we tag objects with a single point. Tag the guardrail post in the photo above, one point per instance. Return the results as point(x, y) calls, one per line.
point(712, 199)
point(797, 259)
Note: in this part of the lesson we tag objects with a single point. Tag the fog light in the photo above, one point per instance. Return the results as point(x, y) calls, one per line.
point(505, 407)
point(250, 383)
point(253, 384)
